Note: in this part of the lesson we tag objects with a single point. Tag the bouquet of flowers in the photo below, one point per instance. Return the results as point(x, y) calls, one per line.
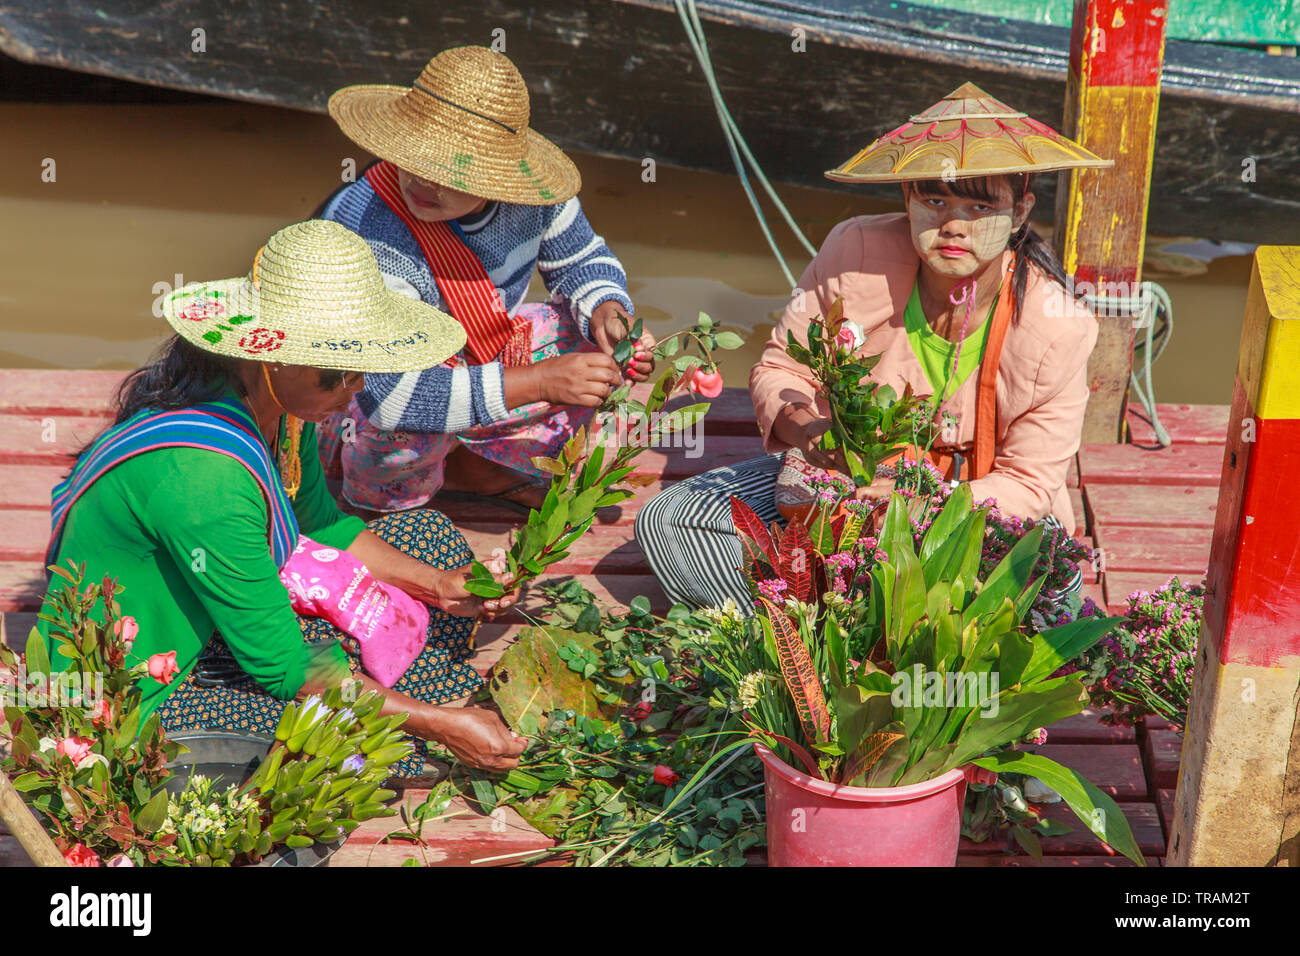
point(869, 421)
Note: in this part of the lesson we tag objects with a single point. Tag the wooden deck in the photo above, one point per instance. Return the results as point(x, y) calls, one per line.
point(1149, 511)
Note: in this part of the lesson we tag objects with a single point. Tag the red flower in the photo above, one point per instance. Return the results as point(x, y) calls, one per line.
point(261, 340)
point(206, 309)
point(708, 384)
point(666, 775)
point(76, 749)
point(126, 628)
point(641, 711)
point(81, 855)
point(102, 714)
point(162, 667)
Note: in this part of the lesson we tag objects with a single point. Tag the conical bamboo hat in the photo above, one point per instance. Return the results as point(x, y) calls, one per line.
point(967, 133)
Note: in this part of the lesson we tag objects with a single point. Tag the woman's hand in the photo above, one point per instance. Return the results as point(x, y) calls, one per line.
point(608, 329)
point(575, 378)
point(447, 591)
point(799, 426)
point(476, 736)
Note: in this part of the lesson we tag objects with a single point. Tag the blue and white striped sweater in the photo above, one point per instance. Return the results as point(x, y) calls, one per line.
point(511, 241)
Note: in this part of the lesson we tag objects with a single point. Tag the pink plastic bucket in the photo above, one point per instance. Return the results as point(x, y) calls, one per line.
point(812, 822)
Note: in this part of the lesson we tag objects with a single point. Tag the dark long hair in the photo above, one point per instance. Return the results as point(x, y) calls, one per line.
point(180, 375)
point(1029, 247)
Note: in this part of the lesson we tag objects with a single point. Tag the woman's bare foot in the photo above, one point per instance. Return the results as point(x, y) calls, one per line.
point(467, 472)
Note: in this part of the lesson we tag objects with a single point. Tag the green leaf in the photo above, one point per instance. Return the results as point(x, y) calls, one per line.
point(668, 347)
point(623, 351)
point(685, 361)
point(1097, 811)
point(640, 606)
point(705, 323)
point(153, 814)
point(1057, 646)
point(37, 658)
point(729, 340)
point(485, 589)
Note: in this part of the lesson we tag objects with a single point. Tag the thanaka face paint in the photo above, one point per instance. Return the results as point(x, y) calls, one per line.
point(959, 237)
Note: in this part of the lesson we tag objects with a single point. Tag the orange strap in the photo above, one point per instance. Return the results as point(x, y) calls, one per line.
point(986, 403)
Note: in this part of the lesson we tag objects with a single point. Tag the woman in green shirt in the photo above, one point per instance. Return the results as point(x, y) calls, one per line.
point(181, 502)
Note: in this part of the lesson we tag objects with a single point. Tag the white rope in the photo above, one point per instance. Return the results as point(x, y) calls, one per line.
point(1152, 303)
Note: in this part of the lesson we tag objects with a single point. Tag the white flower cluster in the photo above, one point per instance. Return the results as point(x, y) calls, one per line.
point(726, 616)
point(750, 689)
point(198, 812)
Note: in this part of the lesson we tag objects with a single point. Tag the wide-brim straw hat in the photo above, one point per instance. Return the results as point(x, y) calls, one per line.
point(314, 297)
point(967, 133)
point(463, 124)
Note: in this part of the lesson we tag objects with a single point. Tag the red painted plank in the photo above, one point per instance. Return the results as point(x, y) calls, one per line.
point(1143, 819)
point(1116, 769)
point(1128, 464)
point(1165, 803)
point(1191, 506)
point(1194, 424)
point(1161, 751)
point(1087, 728)
point(57, 391)
point(1160, 550)
point(46, 439)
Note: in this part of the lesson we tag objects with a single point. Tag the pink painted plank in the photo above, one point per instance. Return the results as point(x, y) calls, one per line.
point(23, 438)
point(1130, 465)
point(26, 533)
point(1158, 550)
point(22, 585)
point(1191, 506)
point(1120, 584)
point(1079, 509)
point(1087, 728)
point(1115, 769)
point(1152, 722)
point(28, 486)
point(1161, 751)
point(1194, 424)
point(56, 391)
point(1007, 860)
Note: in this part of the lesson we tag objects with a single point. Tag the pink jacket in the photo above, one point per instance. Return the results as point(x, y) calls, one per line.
point(1042, 386)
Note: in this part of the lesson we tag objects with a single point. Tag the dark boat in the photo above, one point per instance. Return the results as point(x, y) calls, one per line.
point(618, 77)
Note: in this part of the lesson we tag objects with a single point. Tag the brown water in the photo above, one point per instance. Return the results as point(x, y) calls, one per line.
point(145, 192)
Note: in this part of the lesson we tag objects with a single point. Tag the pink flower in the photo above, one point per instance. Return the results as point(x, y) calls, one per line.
point(162, 667)
point(81, 855)
point(497, 561)
point(76, 749)
point(666, 775)
point(102, 714)
point(1036, 738)
point(773, 589)
point(708, 384)
point(126, 629)
point(121, 860)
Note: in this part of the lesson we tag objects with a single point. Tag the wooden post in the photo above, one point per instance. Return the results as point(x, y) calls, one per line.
point(31, 835)
point(1238, 798)
point(1117, 48)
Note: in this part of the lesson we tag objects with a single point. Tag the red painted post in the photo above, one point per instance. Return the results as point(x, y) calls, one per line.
point(1238, 799)
point(1112, 96)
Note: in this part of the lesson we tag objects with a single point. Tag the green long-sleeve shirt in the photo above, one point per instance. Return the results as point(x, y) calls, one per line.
point(184, 531)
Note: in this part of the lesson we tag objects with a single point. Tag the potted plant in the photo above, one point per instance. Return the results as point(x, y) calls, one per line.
point(880, 675)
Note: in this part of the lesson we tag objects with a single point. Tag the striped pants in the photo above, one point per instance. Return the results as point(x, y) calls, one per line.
point(687, 534)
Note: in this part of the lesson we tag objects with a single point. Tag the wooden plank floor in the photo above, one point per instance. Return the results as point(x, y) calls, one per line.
point(1122, 499)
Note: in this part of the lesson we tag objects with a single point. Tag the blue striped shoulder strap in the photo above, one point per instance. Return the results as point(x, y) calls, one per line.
point(223, 426)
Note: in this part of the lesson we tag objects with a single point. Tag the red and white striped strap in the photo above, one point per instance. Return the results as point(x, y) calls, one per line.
point(470, 295)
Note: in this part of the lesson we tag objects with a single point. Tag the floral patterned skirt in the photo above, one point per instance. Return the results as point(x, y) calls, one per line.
point(441, 673)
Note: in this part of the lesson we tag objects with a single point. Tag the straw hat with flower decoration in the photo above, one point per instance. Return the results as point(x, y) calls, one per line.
point(314, 297)
point(463, 124)
point(967, 133)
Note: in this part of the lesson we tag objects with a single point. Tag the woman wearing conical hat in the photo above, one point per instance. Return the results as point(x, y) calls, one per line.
point(962, 300)
point(465, 205)
point(206, 498)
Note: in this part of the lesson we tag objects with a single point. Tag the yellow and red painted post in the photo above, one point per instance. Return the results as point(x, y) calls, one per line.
point(1238, 798)
point(1117, 49)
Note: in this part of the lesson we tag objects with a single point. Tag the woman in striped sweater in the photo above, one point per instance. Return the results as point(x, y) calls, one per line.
point(466, 204)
